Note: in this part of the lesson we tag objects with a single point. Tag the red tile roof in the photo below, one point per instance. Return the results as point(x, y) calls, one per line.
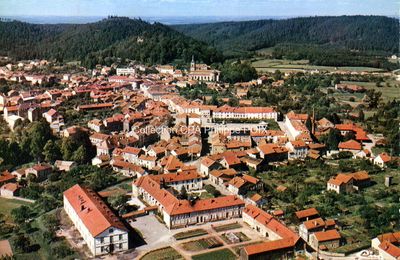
point(385, 157)
point(350, 145)
point(390, 249)
point(307, 213)
point(288, 237)
point(93, 212)
point(6, 176)
point(340, 179)
point(174, 206)
point(176, 177)
point(329, 235)
point(11, 187)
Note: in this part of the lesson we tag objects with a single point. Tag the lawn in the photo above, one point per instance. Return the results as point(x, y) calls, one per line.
point(6, 205)
point(162, 254)
point(190, 234)
point(274, 64)
point(202, 244)
point(227, 227)
point(225, 254)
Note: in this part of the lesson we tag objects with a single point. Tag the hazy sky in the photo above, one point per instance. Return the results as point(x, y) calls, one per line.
point(143, 8)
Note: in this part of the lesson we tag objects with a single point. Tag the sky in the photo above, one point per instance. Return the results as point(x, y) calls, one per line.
point(187, 8)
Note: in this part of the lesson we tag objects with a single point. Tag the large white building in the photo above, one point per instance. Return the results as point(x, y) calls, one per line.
point(101, 229)
point(181, 213)
point(228, 112)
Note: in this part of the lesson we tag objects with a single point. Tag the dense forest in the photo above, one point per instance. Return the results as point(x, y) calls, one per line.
point(353, 36)
point(334, 41)
point(102, 42)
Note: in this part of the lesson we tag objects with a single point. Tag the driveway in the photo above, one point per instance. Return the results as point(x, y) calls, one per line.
point(155, 234)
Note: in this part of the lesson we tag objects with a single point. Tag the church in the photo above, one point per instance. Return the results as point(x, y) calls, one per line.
point(202, 72)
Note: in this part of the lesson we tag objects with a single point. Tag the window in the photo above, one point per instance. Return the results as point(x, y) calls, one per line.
point(120, 237)
point(102, 249)
point(111, 230)
point(102, 240)
point(120, 246)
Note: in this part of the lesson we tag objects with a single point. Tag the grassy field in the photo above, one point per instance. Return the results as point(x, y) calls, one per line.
point(270, 65)
point(388, 93)
point(189, 234)
point(227, 227)
point(225, 254)
point(162, 254)
point(6, 205)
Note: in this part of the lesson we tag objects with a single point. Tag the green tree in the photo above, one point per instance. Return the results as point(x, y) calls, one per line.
point(51, 151)
point(372, 98)
point(80, 155)
point(62, 251)
point(22, 243)
point(361, 115)
point(333, 139)
point(21, 214)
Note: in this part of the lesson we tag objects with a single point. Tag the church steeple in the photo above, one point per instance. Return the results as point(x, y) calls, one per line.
point(193, 64)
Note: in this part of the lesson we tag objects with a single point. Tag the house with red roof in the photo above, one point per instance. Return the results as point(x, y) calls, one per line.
point(297, 149)
point(207, 165)
point(239, 185)
point(6, 177)
point(350, 146)
point(282, 242)
point(307, 214)
point(382, 160)
point(41, 171)
point(346, 183)
point(9, 190)
point(325, 240)
point(315, 225)
point(387, 245)
point(103, 232)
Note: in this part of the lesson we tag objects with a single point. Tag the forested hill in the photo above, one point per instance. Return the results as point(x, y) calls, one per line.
point(363, 33)
point(102, 42)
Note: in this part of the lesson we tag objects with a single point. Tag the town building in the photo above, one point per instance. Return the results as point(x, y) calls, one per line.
point(325, 240)
point(180, 213)
point(283, 240)
point(103, 232)
point(387, 245)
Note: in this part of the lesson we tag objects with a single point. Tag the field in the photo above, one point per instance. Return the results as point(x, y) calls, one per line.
point(388, 93)
point(270, 65)
point(189, 234)
point(225, 254)
point(202, 244)
point(6, 205)
point(227, 227)
point(162, 254)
